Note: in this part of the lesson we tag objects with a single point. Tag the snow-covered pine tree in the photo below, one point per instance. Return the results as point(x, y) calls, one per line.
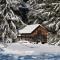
point(9, 22)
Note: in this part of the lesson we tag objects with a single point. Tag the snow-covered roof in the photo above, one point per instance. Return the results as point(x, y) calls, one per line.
point(29, 28)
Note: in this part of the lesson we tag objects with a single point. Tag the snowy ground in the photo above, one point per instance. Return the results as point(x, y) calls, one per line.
point(28, 51)
point(26, 48)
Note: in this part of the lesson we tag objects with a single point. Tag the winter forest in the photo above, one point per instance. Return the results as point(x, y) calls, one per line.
point(16, 14)
point(42, 17)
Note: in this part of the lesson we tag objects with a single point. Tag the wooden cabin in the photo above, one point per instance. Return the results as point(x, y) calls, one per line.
point(33, 33)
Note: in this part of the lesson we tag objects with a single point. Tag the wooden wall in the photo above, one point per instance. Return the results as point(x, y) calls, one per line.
point(40, 31)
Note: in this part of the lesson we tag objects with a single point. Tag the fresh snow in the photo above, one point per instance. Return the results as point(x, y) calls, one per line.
point(29, 28)
point(26, 48)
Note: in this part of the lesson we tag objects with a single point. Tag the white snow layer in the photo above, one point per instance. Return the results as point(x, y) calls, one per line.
point(28, 28)
point(26, 48)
